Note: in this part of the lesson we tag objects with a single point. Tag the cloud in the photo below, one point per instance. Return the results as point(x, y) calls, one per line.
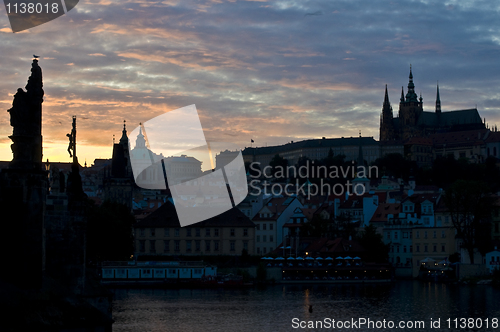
point(261, 70)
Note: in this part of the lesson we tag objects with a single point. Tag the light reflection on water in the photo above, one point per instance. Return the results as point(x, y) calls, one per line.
point(274, 307)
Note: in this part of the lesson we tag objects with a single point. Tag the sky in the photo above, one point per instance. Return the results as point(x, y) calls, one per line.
point(271, 71)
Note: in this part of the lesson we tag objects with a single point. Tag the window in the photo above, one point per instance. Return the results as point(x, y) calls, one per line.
point(434, 248)
point(404, 248)
point(245, 231)
point(177, 245)
point(142, 232)
point(232, 231)
point(425, 235)
point(232, 245)
point(258, 227)
point(245, 245)
point(177, 232)
point(264, 238)
point(152, 246)
point(443, 234)
point(152, 231)
point(216, 232)
point(198, 232)
point(397, 248)
point(264, 250)
point(264, 227)
point(166, 245)
point(417, 234)
point(271, 227)
point(197, 244)
point(434, 234)
point(142, 245)
point(395, 235)
point(271, 238)
point(207, 245)
point(188, 232)
point(388, 235)
point(166, 232)
point(405, 235)
point(216, 245)
point(443, 248)
point(207, 232)
point(411, 248)
point(425, 248)
point(258, 250)
point(417, 248)
point(188, 245)
point(257, 238)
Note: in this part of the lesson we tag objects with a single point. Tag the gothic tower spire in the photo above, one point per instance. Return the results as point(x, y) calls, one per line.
point(386, 98)
point(411, 95)
point(124, 138)
point(386, 119)
point(438, 100)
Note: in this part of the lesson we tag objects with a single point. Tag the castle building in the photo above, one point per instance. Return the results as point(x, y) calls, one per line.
point(413, 121)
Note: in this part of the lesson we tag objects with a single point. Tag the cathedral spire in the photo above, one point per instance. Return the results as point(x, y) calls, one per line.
point(386, 98)
point(402, 95)
point(438, 100)
point(124, 138)
point(386, 108)
point(411, 96)
point(386, 119)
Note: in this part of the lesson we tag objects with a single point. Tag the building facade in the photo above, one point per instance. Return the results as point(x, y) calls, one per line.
point(160, 234)
point(270, 221)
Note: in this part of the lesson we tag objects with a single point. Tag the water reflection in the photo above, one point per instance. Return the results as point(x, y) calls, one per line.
point(273, 308)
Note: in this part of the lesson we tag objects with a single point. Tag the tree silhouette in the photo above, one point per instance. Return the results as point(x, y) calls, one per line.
point(470, 209)
point(375, 248)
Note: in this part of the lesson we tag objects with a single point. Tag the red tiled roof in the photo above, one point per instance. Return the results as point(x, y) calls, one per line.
point(385, 209)
point(470, 137)
point(308, 213)
point(166, 216)
point(275, 206)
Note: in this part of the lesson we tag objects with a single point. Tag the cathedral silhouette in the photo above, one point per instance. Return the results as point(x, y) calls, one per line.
point(413, 121)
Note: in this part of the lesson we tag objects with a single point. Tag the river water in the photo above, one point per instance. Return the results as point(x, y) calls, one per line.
point(281, 308)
